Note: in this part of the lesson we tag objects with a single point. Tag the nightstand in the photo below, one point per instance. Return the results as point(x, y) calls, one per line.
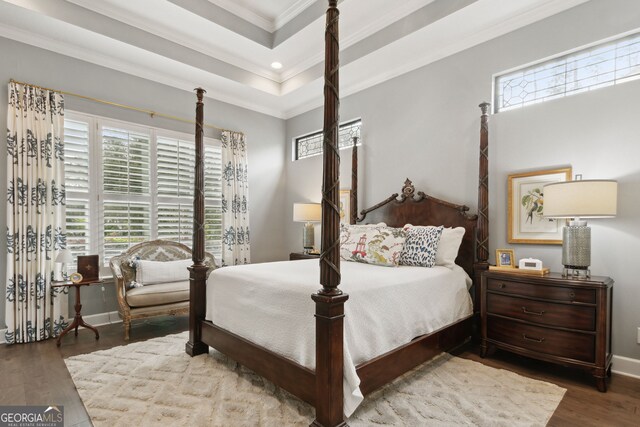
point(552, 318)
point(293, 256)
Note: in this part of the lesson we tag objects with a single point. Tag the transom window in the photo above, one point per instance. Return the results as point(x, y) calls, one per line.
point(587, 69)
point(311, 144)
point(127, 184)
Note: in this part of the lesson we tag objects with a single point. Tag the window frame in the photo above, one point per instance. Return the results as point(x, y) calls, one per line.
point(496, 108)
point(96, 196)
point(344, 124)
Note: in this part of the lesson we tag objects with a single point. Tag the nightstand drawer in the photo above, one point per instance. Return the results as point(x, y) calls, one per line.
point(556, 293)
point(541, 312)
point(573, 345)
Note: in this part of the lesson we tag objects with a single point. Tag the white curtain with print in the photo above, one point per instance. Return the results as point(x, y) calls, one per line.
point(35, 214)
point(235, 200)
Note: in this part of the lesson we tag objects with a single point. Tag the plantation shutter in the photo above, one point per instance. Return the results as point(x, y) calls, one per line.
point(176, 171)
point(76, 162)
point(126, 159)
point(125, 224)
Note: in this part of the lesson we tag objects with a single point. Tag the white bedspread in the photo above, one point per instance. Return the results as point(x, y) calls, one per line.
point(270, 304)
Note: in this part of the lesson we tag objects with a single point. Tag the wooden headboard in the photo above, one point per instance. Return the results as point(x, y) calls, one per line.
point(421, 209)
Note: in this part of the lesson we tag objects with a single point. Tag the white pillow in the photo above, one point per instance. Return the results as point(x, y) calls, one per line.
point(153, 272)
point(449, 245)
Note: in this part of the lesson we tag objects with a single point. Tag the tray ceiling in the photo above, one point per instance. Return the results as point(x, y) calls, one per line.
point(227, 46)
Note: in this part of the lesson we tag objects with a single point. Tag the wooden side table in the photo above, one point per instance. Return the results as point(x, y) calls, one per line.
point(552, 318)
point(293, 256)
point(77, 320)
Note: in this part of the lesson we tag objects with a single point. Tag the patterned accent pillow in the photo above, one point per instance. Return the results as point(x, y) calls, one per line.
point(378, 245)
point(421, 246)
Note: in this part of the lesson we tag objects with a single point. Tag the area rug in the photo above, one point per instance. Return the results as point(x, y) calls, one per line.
point(153, 383)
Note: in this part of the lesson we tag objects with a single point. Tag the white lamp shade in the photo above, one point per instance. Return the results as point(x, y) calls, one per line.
point(584, 199)
point(65, 256)
point(307, 212)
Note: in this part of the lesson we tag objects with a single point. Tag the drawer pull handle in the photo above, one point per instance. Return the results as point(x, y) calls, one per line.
point(532, 339)
point(572, 294)
point(535, 313)
point(502, 286)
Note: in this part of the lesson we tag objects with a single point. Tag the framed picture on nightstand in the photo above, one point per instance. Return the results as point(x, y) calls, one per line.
point(505, 258)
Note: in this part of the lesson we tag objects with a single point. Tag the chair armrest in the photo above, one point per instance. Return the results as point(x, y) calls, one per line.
point(116, 270)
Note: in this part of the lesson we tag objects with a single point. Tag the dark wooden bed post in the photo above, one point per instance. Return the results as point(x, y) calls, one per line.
point(330, 300)
point(354, 182)
point(198, 271)
point(482, 233)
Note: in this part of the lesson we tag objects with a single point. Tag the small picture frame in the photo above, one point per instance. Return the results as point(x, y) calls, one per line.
point(505, 258)
point(89, 268)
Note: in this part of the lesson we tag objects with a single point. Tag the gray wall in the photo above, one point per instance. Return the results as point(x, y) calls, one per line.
point(264, 135)
point(425, 125)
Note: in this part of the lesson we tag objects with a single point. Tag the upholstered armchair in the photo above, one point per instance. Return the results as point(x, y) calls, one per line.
point(165, 290)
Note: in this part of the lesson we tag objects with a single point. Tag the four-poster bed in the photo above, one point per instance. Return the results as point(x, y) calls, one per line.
point(323, 386)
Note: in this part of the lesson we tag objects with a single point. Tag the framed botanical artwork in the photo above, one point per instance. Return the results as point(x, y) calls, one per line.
point(527, 223)
point(505, 258)
point(345, 206)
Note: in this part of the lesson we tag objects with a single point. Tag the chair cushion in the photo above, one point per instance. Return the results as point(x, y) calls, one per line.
point(162, 293)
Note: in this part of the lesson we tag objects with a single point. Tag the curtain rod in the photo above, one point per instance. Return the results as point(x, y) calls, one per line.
point(126, 107)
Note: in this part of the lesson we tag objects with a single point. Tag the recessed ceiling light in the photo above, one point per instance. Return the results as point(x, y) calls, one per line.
point(276, 65)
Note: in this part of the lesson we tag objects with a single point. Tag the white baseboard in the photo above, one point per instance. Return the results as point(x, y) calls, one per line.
point(92, 319)
point(102, 318)
point(625, 366)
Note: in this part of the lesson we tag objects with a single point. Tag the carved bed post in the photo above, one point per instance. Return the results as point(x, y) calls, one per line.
point(354, 182)
point(198, 271)
point(330, 300)
point(482, 232)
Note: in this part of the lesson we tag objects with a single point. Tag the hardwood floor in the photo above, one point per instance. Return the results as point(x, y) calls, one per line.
point(582, 404)
point(36, 374)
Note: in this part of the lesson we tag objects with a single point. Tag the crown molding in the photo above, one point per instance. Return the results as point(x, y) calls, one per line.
point(403, 10)
point(106, 9)
point(290, 13)
point(247, 14)
point(261, 21)
point(127, 67)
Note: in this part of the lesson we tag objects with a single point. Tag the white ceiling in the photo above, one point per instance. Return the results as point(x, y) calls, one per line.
point(227, 46)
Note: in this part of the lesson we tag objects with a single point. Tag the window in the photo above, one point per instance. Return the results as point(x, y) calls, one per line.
point(311, 144)
point(127, 184)
point(591, 68)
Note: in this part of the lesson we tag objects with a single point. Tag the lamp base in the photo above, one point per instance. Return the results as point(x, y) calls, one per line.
point(576, 272)
point(308, 237)
point(576, 250)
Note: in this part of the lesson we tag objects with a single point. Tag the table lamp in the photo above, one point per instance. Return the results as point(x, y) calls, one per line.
point(64, 257)
point(574, 201)
point(307, 213)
